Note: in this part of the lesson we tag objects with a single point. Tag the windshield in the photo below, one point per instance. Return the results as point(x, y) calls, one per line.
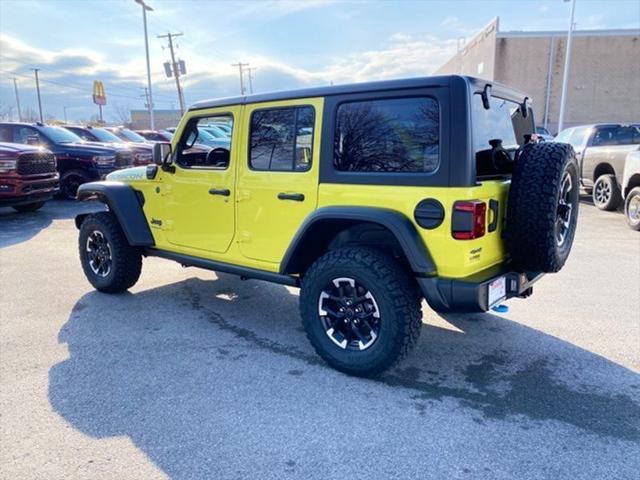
point(494, 123)
point(60, 135)
point(105, 136)
point(131, 135)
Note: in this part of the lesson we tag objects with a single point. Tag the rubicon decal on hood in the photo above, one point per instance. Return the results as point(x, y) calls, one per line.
point(137, 173)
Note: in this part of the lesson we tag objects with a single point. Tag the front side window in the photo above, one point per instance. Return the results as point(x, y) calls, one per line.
point(605, 137)
point(199, 149)
point(281, 139)
point(398, 135)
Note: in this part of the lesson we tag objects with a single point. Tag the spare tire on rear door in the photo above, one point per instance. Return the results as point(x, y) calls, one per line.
point(542, 209)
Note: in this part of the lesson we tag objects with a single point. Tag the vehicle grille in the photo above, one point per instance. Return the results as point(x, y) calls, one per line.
point(124, 159)
point(36, 163)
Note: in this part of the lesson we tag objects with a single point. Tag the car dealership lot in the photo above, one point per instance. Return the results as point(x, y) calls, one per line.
point(193, 375)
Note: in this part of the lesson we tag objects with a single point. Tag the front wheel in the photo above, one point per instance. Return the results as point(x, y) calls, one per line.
point(110, 264)
point(632, 208)
point(606, 193)
point(70, 182)
point(361, 310)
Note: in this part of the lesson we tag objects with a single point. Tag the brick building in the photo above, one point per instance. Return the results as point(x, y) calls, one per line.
point(604, 78)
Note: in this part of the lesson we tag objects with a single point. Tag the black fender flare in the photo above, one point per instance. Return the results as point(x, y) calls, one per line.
point(126, 205)
point(397, 223)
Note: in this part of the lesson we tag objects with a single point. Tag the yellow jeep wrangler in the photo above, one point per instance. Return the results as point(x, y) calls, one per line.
point(368, 197)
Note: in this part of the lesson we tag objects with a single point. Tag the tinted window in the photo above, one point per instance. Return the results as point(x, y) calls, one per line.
point(281, 139)
point(27, 135)
point(394, 135)
point(82, 134)
point(60, 135)
point(493, 123)
point(198, 149)
point(605, 136)
point(6, 135)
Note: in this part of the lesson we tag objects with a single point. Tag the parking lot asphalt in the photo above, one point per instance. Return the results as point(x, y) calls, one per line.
point(198, 375)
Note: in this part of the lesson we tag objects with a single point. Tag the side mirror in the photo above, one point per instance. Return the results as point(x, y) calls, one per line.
point(162, 153)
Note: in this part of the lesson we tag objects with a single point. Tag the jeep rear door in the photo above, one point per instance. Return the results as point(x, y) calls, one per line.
point(277, 175)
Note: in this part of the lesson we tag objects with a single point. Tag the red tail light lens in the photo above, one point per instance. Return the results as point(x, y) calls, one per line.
point(469, 220)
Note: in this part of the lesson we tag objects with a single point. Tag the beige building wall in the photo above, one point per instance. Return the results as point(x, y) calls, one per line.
point(604, 79)
point(477, 57)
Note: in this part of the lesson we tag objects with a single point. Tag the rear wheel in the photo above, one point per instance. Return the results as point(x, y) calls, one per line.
point(360, 309)
point(29, 207)
point(69, 183)
point(606, 193)
point(632, 208)
point(110, 264)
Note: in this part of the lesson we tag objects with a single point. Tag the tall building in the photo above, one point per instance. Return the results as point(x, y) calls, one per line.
point(604, 77)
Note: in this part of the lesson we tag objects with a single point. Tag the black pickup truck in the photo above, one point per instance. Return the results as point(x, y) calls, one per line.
point(77, 161)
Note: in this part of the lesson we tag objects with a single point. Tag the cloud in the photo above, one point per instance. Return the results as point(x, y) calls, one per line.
point(67, 76)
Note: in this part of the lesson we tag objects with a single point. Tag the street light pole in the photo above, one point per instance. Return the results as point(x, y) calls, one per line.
point(567, 64)
point(38, 90)
point(15, 86)
point(146, 7)
point(65, 114)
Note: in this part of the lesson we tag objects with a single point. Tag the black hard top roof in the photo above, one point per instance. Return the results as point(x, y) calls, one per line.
point(404, 83)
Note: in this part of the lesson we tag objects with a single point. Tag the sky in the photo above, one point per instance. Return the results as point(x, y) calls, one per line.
point(291, 44)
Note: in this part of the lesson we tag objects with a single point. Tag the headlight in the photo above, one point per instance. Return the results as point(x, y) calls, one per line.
point(7, 165)
point(104, 161)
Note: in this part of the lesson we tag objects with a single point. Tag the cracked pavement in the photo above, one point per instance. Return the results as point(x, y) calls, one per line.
point(198, 375)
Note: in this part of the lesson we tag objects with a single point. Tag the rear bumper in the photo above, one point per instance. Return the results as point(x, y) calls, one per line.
point(471, 294)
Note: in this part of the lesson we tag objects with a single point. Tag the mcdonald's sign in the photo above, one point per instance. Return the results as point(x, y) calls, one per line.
point(99, 96)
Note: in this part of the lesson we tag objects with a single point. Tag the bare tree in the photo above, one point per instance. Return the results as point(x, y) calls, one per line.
point(123, 114)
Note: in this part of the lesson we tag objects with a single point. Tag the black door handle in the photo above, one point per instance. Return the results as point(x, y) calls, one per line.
point(225, 192)
point(298, 197)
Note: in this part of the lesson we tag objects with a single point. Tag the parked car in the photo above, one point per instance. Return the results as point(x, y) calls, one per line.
point(28, 176)
point(141, 152)
point(411, 200)
point(631, 190)
point(155, 135)
point(543, 134)
point(602, 150)
point(77, 161)
point(216, 131)
point(127, 135)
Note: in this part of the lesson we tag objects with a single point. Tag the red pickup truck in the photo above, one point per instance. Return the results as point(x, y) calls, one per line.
point(28, 176)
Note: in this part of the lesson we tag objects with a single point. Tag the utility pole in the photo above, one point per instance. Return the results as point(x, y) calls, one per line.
point(38, 90)
point(567, 64)
point(251, 70)
point(15, 86)
point(174, 66)
point(146, 104)
point(146, 7)
point(240, 66)
point(65, 113)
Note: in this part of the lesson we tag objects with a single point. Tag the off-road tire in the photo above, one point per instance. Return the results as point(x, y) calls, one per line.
point(633, 194)
point(613, 200)
point(69, 183)
point(397, 297)
point(29, 207)
point(532, 206)
point(126, 260)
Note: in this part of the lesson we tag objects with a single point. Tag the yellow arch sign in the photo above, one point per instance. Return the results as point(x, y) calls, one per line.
point(99, 95)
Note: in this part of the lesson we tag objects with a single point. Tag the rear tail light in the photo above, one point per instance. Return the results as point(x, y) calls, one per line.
point(469, 220)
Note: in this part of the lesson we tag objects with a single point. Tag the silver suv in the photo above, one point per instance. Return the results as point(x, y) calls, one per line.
point(602, 150)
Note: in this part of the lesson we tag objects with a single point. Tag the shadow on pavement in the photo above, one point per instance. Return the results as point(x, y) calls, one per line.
point(18, 227)
point(207, 365)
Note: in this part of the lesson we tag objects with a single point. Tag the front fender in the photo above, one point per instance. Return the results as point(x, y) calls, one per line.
point(125, 203)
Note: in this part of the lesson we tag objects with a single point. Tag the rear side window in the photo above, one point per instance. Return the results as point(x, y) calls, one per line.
point(281, 139)
point(390, 135)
